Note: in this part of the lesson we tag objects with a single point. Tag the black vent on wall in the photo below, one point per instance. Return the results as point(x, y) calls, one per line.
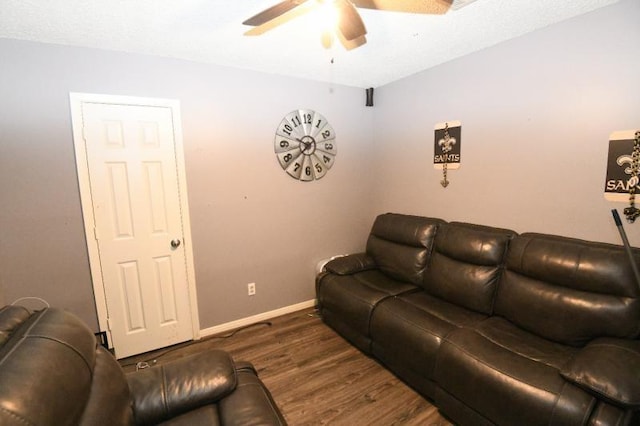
point(102, 339)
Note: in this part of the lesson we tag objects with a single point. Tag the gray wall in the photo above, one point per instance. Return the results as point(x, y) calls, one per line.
point(250, 221)
point(536, 114)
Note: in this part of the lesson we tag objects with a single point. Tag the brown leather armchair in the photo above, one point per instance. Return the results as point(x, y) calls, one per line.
point(52, 372)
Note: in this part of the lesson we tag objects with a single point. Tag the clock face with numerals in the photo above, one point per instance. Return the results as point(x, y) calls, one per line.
point(305, 145)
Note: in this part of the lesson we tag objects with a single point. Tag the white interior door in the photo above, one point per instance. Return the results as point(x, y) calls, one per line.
point(137, 220)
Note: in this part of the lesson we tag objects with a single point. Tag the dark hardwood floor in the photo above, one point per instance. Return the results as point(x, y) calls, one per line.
point(314, 375)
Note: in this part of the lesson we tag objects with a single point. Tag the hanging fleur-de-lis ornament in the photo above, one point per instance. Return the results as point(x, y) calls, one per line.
point(446, 144)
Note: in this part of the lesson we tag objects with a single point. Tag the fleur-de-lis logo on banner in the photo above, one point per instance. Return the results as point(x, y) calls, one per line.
point(627, 159)
point(447, 144)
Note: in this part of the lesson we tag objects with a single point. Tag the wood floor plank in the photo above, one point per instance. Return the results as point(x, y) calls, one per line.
point(314, 375)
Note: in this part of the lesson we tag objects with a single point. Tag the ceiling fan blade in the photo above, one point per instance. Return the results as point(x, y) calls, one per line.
point(351, 44)
point(273, 12)
point(304, 7)
point(349, 21)
point(432, 7)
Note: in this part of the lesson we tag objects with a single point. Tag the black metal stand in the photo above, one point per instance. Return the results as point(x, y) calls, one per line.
point(627, 246)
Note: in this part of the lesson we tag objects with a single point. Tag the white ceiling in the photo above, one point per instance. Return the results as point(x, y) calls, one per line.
point(211, 31)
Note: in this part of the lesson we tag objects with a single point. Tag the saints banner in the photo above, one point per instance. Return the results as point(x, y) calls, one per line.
point(446, 148)
point(616, 187)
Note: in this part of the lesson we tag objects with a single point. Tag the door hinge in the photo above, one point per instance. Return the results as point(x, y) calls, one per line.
point(109, 324)
point(95, 233)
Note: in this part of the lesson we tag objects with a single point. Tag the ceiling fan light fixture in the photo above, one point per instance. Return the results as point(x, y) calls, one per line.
point(327, 15)
point(327, 39)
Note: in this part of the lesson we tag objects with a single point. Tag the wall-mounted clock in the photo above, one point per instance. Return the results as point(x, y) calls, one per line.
point(305, 145)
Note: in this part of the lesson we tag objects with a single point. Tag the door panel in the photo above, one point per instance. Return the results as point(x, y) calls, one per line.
point(132, 296)
point(136, 201)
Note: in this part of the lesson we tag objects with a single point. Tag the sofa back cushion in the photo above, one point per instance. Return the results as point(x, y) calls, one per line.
point(47, 371)
point(569, 290)
point(400, 244)
point(465, 264)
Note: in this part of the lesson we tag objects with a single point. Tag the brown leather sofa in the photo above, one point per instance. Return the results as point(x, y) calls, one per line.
point(52, 372)
point(496, 328)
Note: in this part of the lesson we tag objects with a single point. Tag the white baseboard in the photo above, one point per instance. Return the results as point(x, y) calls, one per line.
point(256, 318)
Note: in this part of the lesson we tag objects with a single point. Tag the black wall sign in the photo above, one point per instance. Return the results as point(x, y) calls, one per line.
point(616, 186)
point(454, 144)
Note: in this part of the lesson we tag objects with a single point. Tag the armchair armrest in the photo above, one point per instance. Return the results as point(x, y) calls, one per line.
point(167, 390)
point(251, 403)
point(610, 368)
point(350, 264)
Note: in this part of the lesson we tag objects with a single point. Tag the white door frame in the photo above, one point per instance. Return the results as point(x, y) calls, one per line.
point(76, 100)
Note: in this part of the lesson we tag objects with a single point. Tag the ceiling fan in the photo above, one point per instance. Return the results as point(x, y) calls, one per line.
point(351, 30)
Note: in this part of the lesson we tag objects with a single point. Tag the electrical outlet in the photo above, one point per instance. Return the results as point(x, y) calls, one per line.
point(251, 289)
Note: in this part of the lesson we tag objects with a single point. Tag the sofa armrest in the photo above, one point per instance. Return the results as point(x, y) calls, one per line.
point(251, 403)
point(610, 368)
point(350, 264)
point(167, 390)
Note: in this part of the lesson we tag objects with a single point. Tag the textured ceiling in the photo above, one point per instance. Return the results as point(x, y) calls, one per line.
point(211, 31)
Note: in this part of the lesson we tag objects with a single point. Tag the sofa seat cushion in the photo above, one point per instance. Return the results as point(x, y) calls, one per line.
point(347, 301)
point(418, 321)
point(510, 376)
